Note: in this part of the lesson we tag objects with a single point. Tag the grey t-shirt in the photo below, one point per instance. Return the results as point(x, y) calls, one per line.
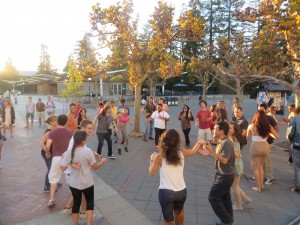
point(103, 123)
point(81, 178)
point(225, 148)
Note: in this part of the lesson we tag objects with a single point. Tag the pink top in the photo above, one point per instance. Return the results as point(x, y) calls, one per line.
point(123, 119)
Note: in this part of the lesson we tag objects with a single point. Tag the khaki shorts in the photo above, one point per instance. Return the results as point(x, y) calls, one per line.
point(55, 170)
point(31, 115)
point(205, 134)
point(41, 115)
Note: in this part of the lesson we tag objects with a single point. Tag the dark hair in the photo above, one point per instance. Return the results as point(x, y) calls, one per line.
point(72, 104)
point(122, 100)
point(79, 115)
point(79, 137)
point(238, 134)
point(223, 115)
point(297, 110)
point(263, 105)
point(187, 112)
point(240, 108)
point(84, 123)
point(104, 102)
point(170, 145)
point(204, 102)
point(50, 118)
point(163, 100)
point(224, 126)
point(62, 120)
point(112, 102)
point(160, 104)
point(261, 122)
point(100, 104)
point(103, 112)
point(292, 106)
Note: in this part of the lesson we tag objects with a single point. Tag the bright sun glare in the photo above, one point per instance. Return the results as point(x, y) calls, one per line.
point(59, 24)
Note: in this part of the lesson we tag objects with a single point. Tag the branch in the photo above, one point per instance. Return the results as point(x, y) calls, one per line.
point(225, 84)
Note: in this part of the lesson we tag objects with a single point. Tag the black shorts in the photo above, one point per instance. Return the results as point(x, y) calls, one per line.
point(171, 201)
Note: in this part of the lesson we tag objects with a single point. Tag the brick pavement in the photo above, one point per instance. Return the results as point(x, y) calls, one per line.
point(128, 175)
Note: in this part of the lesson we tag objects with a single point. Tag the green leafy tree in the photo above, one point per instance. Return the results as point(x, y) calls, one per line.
point(73, 85)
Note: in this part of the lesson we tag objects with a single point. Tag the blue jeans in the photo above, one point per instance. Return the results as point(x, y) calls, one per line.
point(48, 162)
point(220, 198)
point(296, 163)
point(149, 126)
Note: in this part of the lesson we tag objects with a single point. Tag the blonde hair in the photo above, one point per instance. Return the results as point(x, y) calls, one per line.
point(50, 119)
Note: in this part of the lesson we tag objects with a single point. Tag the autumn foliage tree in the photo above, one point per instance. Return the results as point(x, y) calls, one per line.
point(280, 22)
point(118, 31)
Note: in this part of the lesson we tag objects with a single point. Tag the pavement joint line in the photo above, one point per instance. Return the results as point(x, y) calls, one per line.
point(294, 222)
point(135, 170)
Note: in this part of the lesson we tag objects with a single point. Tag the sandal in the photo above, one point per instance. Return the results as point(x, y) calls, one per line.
point(256, 189)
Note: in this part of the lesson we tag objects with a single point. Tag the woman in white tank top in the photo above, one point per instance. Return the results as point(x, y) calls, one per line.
point(172, 189)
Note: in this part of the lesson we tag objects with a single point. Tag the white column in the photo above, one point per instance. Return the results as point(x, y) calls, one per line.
point(101, 87)
point(163, 89)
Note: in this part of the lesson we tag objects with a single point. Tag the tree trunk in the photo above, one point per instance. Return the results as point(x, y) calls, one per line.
point(239, 89)
point(204, 90)
point(137, 105)
point(153, 88)
point(96, 87)
point(296, 66)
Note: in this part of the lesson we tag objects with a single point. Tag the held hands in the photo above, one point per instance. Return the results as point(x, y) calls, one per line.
point(104, 160)
point(48, 155)
point(75, 166)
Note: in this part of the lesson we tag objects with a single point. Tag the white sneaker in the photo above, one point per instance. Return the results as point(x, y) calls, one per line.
point(51, 203)
point(269, 181)
point(83, 215)
point(237, 208)
point(67, 210)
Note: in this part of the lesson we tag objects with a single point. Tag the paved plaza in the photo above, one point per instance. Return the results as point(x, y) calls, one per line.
point(124, 192)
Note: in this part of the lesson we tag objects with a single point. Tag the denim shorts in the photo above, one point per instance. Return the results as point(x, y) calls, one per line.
point(171, 201)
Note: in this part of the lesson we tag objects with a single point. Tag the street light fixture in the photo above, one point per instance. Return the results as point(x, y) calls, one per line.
point(89, 79)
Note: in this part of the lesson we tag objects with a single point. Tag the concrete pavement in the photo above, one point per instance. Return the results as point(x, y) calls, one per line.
point(21, 181)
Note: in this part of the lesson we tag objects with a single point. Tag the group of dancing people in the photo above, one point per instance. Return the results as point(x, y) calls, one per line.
point(72, 155)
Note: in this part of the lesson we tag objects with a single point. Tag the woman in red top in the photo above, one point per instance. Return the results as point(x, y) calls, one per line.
point(214, 116)
point(123, 119)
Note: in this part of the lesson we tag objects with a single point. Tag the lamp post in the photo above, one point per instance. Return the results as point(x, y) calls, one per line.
point(23, 87)
point(89, 89)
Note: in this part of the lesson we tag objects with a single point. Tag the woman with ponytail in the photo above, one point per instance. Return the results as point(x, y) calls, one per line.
point(81, 159)
point(170, 160)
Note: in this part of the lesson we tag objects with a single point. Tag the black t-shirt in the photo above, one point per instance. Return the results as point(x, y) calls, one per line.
point(273, 123)
point(243, 124)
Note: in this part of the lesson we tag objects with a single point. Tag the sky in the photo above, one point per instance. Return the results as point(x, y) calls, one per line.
point(59, 24)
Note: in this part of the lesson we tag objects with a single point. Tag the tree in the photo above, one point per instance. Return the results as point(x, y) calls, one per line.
point(88, 65)
point(45, 66)
point(117, 30)
point(73, 89)
point(280, 21)
point(236, 67)
point(9, 71)
point(202, 69)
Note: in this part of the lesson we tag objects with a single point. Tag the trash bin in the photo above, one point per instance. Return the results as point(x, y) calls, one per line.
point(169, 101)
point(172, 101)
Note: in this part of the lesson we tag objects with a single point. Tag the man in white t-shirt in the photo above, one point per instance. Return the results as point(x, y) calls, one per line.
point(50, 106)
point(30, 109)
point(160, 117)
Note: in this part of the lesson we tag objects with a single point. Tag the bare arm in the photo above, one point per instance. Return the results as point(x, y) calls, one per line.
point(48, 145)
point(155, 162)
point(274, 133)
point(188, 153)
point(95, 121)
point(44, 140)
point(249, 132)
point(97, 165)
